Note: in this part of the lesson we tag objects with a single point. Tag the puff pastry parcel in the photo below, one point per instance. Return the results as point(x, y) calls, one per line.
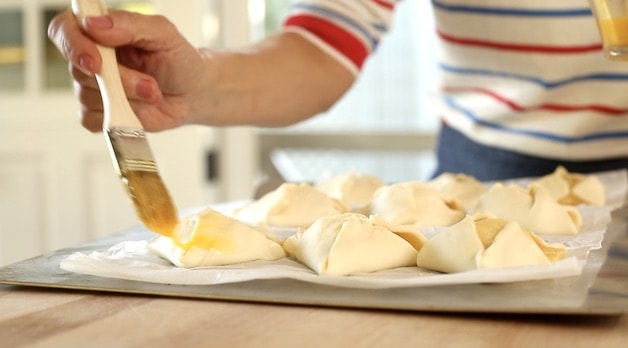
point(290, 205)
point(486, 242)
point(209, 238)
point(349, 243)
point(415, 204)
point(533, 208)
point(574, 188)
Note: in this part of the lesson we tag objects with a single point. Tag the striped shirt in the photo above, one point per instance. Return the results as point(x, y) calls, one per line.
point(527, 76)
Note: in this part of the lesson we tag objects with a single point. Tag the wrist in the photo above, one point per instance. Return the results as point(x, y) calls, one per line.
point(203, 99)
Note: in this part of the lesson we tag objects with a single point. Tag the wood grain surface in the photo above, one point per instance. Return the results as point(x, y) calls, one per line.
point(33, 317)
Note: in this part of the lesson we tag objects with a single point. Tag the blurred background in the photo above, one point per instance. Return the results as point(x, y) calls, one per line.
point(57, 184)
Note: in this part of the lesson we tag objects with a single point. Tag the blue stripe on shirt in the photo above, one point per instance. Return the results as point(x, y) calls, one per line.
point(538, 81)
point(532, 133)
point(512, 11)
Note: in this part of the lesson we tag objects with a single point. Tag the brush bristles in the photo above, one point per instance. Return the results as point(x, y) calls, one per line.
point(152, 201)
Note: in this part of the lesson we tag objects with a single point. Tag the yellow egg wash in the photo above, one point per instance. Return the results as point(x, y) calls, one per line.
point(210, 232)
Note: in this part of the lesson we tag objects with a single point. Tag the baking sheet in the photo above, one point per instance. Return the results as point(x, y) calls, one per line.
point(134, 260)
point(601, 288)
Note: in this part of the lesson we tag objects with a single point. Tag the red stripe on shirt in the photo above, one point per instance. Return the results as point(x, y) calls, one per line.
point(384, 4)
point(606, 110)
point(343, 41)
point(519, 47)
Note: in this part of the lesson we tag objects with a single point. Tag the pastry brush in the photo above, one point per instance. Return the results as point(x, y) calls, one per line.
point(127, 141)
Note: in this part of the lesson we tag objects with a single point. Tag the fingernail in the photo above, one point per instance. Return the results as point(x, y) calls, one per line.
point(99, 22)
point(86, 63)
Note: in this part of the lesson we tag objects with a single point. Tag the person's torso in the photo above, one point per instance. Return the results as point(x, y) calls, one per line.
point(530, 76)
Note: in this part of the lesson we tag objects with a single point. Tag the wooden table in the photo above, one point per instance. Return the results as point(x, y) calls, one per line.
point(32, 317)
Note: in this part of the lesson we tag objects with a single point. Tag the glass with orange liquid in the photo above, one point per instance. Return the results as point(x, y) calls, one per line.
point(612, 21)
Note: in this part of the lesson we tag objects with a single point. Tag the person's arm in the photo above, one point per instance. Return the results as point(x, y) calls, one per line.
point(282, 80)
point(305, 69)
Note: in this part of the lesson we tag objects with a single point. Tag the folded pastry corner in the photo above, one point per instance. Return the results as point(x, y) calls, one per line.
point(210, 238)
point(415, 204)
point(533, 208)
point(464, 189)
point(549, 217)
point(574, 188)
point(456, 249)
point(410, 234)
point(349, 243)
point(513, 247)
point(290, 205)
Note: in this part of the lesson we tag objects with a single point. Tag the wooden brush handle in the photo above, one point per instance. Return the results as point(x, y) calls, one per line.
point(118, 111)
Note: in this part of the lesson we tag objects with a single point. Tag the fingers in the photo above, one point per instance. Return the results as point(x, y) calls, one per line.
point(91, 120)
point(134, 36)
point(136, 85)
point(77, 41)
point(88, 94)
point(141, 90)
point(73, 44)
point(121, 28)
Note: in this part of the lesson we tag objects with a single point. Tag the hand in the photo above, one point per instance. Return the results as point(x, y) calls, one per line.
point(161, 72)
point(279, 81)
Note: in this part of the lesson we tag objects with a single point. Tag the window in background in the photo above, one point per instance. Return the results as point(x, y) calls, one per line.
point(392, 96)
point(56, 74)
point(394, 90)
point(12, 51)
point(267, 16)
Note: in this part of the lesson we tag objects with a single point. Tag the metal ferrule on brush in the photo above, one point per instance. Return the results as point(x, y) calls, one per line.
point(131, 151)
